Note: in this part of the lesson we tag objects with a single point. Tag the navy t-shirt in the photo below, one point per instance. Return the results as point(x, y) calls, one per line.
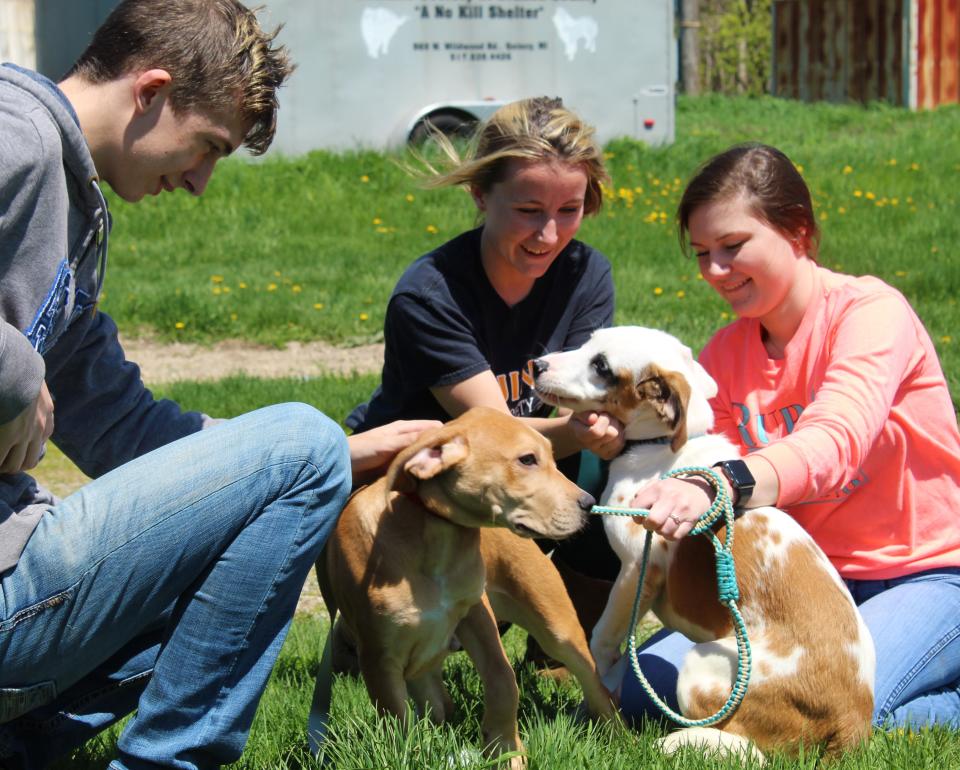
point(445, 323)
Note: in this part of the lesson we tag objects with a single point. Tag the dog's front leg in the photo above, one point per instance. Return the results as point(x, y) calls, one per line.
point(384, 681)
point(612, 628)
point(477, 632)
point(431, 696)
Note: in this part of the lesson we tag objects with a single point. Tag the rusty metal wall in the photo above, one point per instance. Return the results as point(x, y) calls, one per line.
point(902, 51)
point(938, 66)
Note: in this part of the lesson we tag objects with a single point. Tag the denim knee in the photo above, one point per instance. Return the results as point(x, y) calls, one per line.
point(301, 433)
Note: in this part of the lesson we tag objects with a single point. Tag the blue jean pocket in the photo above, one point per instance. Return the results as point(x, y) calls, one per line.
point(17, 701)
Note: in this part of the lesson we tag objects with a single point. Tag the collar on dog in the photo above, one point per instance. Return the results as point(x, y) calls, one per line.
point(414, 497)
point(631, 442)
point(654, 440)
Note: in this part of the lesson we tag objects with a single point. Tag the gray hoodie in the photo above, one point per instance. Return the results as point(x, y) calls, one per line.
point(54, 229)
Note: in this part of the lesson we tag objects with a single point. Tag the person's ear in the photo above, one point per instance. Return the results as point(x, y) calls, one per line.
point(800, 242)
point(478, 197)
point(149, 88)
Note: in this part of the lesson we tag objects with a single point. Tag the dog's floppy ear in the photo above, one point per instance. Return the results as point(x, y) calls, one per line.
point(669, 393)
point(426, 458)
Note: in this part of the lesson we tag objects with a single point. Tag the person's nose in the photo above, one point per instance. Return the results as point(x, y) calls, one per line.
point(548, 230)
point(196, 178)
point(715, 264)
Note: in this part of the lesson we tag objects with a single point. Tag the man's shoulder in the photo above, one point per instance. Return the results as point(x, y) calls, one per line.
point(29, 134)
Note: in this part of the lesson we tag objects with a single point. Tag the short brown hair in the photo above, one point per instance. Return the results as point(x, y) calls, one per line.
point(767, 180)
point(536, 130)
point(215, 51)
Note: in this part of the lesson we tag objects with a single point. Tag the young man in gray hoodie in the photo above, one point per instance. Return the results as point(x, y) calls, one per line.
point(168, 583)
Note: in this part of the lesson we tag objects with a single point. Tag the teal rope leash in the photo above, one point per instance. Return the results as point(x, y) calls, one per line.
point(728, 592)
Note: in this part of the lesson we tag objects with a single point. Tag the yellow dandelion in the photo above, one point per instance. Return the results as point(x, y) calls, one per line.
point(217, 290)
point(841, 210)
point(724, 315)
point(900, 273)
point(848, 169)
point(271, 287)
point(823, 216)
point(910, 199)
point(408, 198)
point(179, 325)
point(226, 289)
point(296, 288)
point(870, 196)
point(894, 201)
point(892, 162)
point(946, 338)
point(216, 278)
point(934, 249)
point(857, 193)
point(608, 156)
point(242, 285)
point(638, 190)
point(277, 273)
point(432, 229)
point(799, 168)
point(655, 182)
point(233, 316)
point(657, 290)
point(364, 317)
point(364, 179)
point(681, 294)
point(383, 229)
point(377, 221)
point(318, 306)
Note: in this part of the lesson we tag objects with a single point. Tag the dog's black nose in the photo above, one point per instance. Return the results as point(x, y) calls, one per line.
point(539, 367)
point(586, 502)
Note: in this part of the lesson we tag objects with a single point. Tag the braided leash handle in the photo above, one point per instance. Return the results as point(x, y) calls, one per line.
point(727, 589)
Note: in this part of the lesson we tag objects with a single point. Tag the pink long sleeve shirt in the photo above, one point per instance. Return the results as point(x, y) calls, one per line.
point(857, 421)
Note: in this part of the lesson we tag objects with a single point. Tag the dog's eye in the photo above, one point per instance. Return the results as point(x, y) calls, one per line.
point(528, 459)
point(601, 367)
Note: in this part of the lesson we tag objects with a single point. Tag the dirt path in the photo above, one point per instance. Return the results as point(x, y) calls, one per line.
point(161, 362)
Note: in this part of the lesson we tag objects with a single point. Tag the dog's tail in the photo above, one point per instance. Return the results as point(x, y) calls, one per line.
point(319, 716)
point(709, 739)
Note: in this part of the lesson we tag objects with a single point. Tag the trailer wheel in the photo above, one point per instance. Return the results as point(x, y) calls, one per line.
point(451, 123)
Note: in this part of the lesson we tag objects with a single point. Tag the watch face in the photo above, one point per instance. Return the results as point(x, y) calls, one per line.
point(739, 474)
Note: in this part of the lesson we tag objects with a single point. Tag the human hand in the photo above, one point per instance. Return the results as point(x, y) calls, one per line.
point(674, 504)
point(22, 439)
point(601, 433)
point(372, 450)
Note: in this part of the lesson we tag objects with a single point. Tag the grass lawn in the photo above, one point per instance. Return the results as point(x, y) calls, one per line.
point(311, 247)
point(307, 248)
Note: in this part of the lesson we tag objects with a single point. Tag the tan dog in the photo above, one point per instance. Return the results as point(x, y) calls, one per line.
point(813, 657)
point(412, 554)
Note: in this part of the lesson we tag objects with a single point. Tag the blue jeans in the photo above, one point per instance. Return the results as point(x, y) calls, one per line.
point(167, 586)
point(915, 624)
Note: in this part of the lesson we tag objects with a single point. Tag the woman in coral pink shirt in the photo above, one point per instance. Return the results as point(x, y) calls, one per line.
point(832, 389)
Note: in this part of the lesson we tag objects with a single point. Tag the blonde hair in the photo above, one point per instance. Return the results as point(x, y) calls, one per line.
point(534, 130)
point(215, 51)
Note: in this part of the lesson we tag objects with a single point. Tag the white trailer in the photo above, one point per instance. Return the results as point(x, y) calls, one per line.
point(370, 72)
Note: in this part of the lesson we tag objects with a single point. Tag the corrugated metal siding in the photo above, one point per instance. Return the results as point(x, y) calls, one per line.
point(858, 50)
point(938, 65)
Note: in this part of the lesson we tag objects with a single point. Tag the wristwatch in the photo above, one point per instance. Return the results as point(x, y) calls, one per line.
point(740, 478)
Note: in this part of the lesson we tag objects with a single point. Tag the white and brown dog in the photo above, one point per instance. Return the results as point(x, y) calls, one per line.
point(424, 554)
point(813, 658)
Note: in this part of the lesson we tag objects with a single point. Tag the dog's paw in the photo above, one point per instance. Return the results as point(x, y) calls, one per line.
point(709, 740)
